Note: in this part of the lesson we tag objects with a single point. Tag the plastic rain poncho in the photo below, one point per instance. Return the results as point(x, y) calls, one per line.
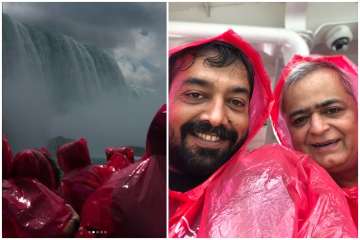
point(132, 202)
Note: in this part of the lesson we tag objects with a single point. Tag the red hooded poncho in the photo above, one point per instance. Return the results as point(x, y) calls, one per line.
point(30, 209)
point(82, 179)
point(34, 163)
point(78, 184)
point(132, 203)
point(279, 123)
point(127, 151)
point(73, 155)
point(265, 193)
point(30, 206)
point(120, 157)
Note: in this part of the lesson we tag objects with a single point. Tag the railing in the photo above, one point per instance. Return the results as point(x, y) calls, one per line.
point(289, 41)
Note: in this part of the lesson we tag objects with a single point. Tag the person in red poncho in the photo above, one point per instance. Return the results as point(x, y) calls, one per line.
point(315, 112)
point(132, 202)
point(211, 87)
point(219, 98)
point(30, 205)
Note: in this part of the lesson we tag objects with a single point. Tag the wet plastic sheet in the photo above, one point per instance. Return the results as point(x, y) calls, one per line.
point(82, 179)
point(132, 202)
point(271, 192)
point(120, 157)
point(73, 155)
point(156, 135)
point(30, 209)
point(34, 163)
point(352, 197)
point(7, 158)
point(79, 184)
point(127, 151)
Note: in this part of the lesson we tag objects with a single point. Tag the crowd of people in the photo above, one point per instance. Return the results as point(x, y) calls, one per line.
point(89, 200)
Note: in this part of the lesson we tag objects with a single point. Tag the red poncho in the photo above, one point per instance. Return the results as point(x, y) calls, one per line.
point(127, 151)
point(266, 193)
point(79, 182)
point(77, 185)
point(80, 178)
point(34, 163)
point(73, 155)
point(30, 209)
point(120, 157)
point(279, 123)
point(132, 202)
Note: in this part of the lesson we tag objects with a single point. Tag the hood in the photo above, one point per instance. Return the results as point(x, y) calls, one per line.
point(34, 163)
point(73, 155)
point(261, 99)
point(156, 135)
point(278, 121)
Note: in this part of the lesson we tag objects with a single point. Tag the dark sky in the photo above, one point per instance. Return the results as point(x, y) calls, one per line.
point(134, 32)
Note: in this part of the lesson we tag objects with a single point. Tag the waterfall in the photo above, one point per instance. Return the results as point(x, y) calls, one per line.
point(56, 86)
point(72, 71)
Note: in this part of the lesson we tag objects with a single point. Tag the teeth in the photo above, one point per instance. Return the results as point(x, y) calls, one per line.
point(207, 137)
point(324, 144)
point(319, 145)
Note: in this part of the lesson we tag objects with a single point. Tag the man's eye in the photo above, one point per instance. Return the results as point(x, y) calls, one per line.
point(332, 110)
point(236, 103)
point(299, 121)
point(194, 95)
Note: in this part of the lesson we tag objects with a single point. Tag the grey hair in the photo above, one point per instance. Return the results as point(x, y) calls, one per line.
point(305, 68)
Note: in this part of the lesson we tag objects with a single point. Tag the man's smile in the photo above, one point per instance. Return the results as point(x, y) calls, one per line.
point(326, 145)
point(207, 140)
point(208, 137)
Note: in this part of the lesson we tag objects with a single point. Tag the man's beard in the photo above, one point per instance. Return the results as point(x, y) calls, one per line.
point(200, 162)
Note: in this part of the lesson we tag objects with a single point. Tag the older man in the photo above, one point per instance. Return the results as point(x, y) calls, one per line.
point(316, 113)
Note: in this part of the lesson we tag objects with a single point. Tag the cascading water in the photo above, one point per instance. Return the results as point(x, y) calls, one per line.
point(58, 62)
point(56, 86)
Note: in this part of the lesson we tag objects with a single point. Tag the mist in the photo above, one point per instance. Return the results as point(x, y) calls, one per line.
point(107, 93)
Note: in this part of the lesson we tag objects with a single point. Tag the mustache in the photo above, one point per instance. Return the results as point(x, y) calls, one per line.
point(206, 128)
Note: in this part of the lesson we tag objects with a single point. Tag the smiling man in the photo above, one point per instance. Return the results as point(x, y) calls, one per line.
point(316, 113)
point(210, 92)
point(321, 115)
point(320, 109)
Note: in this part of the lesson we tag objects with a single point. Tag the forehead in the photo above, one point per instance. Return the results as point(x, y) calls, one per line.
point(234, 74)
point(318, 86)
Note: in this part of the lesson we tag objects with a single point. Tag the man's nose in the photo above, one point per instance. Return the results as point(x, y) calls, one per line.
point(216, 113)
point(318, 124)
